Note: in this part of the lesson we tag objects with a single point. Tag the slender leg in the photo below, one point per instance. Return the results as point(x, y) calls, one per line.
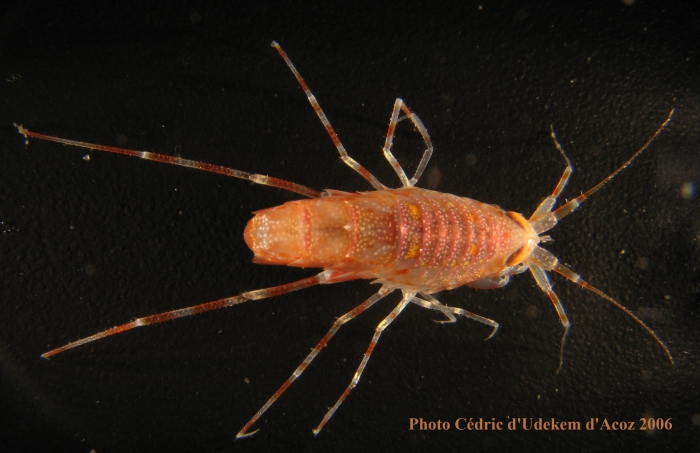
point(500, 280)
point(349, 161)
point(174, 160)
point(384, 291)
point(427, 154)
point(490, 282)
point(407, 296)
point(196, 309)
point(439, 307)
point(434, 304)
point(399, 105)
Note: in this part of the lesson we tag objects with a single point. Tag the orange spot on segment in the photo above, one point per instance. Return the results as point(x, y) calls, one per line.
point(412, 251)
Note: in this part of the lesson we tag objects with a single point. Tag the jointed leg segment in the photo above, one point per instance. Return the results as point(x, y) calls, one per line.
point(399, 106)
point(352, 163)
point(174, 160)
point(428, 301)
point(194, 310)
point(407, 296)
point(384, 291)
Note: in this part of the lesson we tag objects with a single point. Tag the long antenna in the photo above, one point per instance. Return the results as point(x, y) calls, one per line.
point(569, 207)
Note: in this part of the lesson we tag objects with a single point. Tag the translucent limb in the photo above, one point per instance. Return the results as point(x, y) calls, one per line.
point(194, 310)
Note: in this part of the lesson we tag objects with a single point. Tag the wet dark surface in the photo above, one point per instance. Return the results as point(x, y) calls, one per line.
point(89, 244)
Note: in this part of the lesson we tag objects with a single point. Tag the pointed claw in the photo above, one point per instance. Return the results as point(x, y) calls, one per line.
point(495, 329)
point(243, 435)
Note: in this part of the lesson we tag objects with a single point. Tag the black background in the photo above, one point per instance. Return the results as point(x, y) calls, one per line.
point(88, 244)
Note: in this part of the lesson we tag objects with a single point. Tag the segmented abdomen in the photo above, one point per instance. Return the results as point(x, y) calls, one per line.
point(408, 237)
